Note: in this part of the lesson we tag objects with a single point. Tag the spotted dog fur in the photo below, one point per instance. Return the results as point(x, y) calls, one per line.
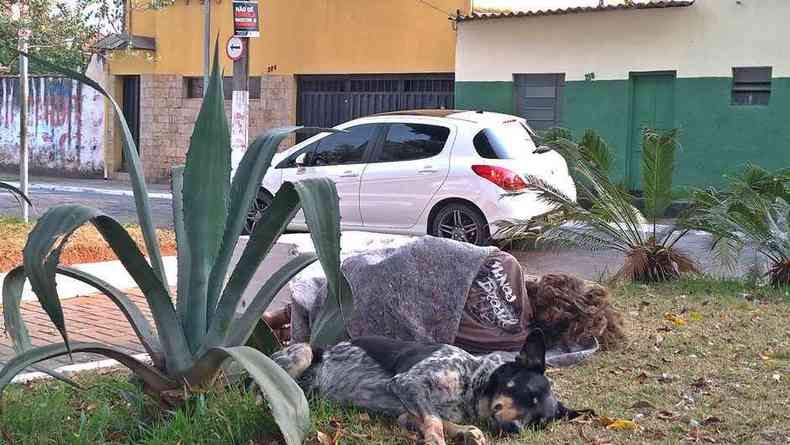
point(433, 389)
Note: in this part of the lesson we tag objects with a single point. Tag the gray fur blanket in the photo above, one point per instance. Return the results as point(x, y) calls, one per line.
point(415, 291)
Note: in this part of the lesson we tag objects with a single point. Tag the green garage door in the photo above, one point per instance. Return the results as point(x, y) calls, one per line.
point(652, 106)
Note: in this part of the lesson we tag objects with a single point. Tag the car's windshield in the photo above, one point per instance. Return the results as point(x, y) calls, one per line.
point(510, 140)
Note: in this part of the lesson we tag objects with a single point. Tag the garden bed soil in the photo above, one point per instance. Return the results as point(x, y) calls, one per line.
point(85, 246)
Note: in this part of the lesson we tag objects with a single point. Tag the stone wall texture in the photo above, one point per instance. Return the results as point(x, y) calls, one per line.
point(167, 118)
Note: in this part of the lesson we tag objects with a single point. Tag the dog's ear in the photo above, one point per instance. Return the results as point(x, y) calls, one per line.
point(533, 354)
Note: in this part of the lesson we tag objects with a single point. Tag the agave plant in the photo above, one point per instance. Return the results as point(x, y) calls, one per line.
point(18, 194)
point(189, 341)
point(752, 212)
point(611, 221)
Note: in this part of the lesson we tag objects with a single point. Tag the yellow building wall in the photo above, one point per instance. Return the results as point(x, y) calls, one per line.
point(304, 37)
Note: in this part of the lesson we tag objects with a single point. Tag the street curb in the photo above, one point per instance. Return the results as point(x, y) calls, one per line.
point(97, 190)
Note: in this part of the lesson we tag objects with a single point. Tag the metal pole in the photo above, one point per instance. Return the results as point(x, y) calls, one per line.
point(23, 94)
point(206, 43)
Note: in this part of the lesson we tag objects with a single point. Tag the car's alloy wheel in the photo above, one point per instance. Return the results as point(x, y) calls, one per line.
point(255, 213)
point(461, 222)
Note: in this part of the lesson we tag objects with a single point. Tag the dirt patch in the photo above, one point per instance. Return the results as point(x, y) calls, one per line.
point(85, 246)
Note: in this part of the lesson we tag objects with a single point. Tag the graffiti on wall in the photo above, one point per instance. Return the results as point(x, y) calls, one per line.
point(65, 126)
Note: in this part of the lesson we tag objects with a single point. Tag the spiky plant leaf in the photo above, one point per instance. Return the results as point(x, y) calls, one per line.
point(273, 223)
point(134, 167)
point(321, 208)
point(246, 183)
point(17, 193)
point(182, 241)
point(207, 177)
point(596, 151)
point(150, 375)
point(42, 254)
point(286, 400)
point(658, 162)
point(242, 327)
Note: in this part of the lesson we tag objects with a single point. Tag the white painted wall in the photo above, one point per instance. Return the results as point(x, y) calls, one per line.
point(706, 39)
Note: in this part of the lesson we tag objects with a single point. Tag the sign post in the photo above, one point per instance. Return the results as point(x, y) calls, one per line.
point(23, 34)
point(245, 25)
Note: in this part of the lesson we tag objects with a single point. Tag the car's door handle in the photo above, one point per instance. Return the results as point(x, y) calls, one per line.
point(349, 174)
point(427, 169)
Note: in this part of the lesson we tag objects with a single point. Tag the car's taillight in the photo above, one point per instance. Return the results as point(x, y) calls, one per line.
point(500, 176)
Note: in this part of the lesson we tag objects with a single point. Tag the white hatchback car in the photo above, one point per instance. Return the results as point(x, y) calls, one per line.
point(437, 172)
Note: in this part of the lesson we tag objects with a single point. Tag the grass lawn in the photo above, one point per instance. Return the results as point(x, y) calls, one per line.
point(705, 362)
point(84, 246)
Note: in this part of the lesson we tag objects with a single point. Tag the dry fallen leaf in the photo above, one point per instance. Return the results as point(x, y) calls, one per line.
point(622, 425)
point(364, 417)
point(324, 439)
point(676, 320)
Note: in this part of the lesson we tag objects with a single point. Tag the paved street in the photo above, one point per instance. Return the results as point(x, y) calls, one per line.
point(119, 207)
point(582, 263)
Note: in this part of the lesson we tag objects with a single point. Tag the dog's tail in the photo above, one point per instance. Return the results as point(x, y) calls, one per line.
point(296, 358)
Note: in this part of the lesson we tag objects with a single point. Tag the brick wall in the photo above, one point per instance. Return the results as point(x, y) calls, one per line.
point(167, 118)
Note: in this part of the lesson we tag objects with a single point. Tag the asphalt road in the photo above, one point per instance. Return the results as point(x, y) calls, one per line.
point(581, 263)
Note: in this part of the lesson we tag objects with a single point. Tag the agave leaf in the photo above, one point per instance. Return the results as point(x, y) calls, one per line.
point(207, 185)
point(13, 286)
point(16, 193)
point(17, 331)
point(244, 189)
point(136, 176)
point(246, 182)
point(42, 253)
point(263, 339)
point(273, 223)
point(150, 375)
point(182, 242)
point(322, 214)
point(242, 327)
point(286, 400)
point(140, 325)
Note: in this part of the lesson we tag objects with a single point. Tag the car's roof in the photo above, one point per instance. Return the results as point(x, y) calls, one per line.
point(480, 117)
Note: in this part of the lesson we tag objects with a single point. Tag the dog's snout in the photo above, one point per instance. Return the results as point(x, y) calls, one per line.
point(511, 427)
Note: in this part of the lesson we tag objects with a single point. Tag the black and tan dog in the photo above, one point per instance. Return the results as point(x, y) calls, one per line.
point(435, 390)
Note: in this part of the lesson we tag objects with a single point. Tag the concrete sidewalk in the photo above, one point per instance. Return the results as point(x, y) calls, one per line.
point(99, 186)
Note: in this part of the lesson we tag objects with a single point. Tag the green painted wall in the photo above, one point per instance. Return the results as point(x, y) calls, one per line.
point(488, 96)
point(717, 138)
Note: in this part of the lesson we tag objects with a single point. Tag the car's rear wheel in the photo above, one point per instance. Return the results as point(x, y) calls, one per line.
point(262, 201)
point(461, 222)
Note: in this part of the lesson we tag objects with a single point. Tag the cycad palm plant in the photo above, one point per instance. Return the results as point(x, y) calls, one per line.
point(189, 341)
point(610, 221)
point(752, 212)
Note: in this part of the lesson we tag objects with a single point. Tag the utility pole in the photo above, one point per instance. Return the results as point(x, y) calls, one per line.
point(206, 43)
point(240, 106)
point(23, 34)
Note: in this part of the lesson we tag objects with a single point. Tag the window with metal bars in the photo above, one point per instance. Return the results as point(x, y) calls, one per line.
point(751, 86)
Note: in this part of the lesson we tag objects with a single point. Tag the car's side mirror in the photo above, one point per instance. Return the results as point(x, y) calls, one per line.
point(301, 160)
point(542, 149)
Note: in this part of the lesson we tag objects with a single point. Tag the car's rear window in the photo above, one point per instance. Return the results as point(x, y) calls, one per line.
point(511, 140)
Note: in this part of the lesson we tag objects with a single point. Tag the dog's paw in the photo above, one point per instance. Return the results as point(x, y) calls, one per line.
point(469, 435)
